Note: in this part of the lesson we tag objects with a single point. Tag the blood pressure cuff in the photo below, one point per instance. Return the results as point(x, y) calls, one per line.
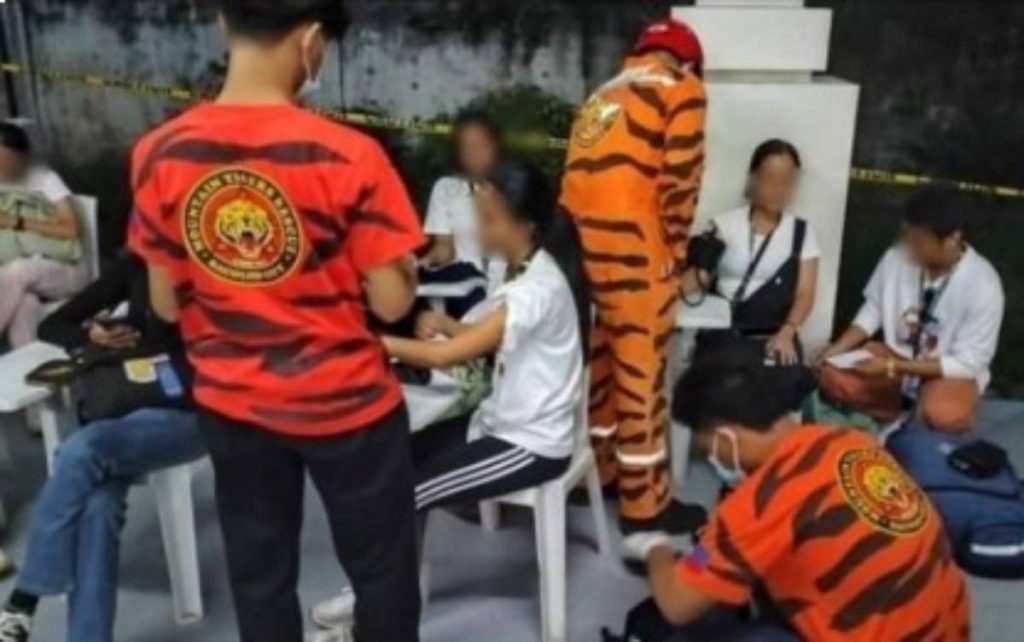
point(705, 252)
point(976, 491)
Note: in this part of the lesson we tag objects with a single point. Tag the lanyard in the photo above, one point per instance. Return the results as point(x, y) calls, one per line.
point(928, 302)
point(515, 271)
point(755, 260)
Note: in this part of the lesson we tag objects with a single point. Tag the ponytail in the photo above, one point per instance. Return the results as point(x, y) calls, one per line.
point(562, 241)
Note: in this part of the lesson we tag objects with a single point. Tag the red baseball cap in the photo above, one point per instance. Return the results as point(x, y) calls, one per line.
point(674, 37)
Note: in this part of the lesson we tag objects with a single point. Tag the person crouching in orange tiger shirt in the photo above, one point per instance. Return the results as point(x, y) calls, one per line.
point(845, 545)
point(635, 162)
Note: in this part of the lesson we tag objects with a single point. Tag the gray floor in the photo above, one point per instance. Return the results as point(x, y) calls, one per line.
point(484, 584)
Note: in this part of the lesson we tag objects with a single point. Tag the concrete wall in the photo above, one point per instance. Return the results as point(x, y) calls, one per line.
point(410, 58)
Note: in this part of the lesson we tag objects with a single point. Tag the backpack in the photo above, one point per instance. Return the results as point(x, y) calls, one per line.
point(644, 623)
point(976, 491)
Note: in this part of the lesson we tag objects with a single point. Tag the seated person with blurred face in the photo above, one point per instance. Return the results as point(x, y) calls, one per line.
point(767, 268)
point(845, 544)
point(40, 250)
point(939, 306)
point(451, 218)
point(74, 536)
point(535, 325)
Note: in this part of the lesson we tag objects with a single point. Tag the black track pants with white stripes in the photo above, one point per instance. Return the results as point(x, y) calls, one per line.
point(450, 470)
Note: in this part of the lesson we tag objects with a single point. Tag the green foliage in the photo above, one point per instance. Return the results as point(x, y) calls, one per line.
point(526, 114)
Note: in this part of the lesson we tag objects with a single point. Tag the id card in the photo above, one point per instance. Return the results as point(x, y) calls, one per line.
point(140, 371)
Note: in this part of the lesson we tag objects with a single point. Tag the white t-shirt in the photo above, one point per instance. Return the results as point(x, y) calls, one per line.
point(964, 328)
point(734, 230)
point(44, 181)
point(538, 373)
point(451, 212)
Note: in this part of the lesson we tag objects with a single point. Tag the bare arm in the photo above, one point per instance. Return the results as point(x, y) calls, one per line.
point(161, 294)
point(694, 281)
point(853, 338)
point(806, 289)
point(442, 251)
point(391, 289)
point(924, 368)
point(475, 341)
point(430, 324)
point(62, 227)
point(679, 603)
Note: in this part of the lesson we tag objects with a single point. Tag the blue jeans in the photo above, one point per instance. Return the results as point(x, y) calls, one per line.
point(74, 540)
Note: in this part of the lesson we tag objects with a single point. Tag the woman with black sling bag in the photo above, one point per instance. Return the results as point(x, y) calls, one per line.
point(767, 268)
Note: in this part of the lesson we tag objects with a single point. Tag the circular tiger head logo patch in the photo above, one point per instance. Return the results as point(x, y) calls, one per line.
point(242, 228)
point(596, 118)
point(881, 493)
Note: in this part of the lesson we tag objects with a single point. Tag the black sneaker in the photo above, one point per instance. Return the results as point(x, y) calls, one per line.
point(14, 627)
point(677, 519)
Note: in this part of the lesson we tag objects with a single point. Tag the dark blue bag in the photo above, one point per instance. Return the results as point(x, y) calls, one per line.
point(982, 506)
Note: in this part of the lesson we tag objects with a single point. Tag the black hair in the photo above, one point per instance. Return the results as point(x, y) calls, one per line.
point(15, 139)
point(943, 211)
point(728, 386)
point(773, 147)
point(274, 19)
point(530, 197)
point(474, 118)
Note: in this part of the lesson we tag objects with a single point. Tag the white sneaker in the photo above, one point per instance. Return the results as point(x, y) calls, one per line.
point(14, 627)
point(336, 612)
point(338, 634)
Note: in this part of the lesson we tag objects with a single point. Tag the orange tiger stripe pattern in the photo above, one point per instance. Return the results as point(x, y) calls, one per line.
point(632, 178)
point(846, 544)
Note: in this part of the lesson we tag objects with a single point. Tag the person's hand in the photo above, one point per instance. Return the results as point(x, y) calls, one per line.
point(430, 325)
point(825, 354)
point(638, 547)
point(119, 337)
point(783, 347)
point(875, 368)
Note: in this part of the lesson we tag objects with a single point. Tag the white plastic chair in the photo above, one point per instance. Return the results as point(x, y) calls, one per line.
point(682, 435)
point(172, 492)
point(548, 503)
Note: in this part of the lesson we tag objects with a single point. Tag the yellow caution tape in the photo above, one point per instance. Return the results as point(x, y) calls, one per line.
point(883, 177)
point(432, 128)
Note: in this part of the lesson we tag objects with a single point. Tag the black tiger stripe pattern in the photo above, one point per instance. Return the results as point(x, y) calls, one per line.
point(612, 161)
point(209, 152)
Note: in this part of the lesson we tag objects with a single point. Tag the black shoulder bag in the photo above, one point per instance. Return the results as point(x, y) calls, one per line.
point(111, 384)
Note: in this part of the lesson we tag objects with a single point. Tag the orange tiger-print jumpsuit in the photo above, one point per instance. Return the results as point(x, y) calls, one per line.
point(631, 184)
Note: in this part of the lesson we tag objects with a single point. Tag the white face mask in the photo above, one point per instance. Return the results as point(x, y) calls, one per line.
point(731, 477)
point(314, 81)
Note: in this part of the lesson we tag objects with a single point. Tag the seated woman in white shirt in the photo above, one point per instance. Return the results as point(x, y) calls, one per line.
point(451, 220)
point(535, 325)
point(939, 306)
point(40, 251)
point(768, 268)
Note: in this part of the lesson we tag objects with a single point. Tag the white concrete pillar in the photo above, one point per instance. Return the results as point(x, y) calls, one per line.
point(765, 64)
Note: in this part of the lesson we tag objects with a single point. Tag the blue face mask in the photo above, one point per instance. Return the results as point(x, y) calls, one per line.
point(731, 477)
